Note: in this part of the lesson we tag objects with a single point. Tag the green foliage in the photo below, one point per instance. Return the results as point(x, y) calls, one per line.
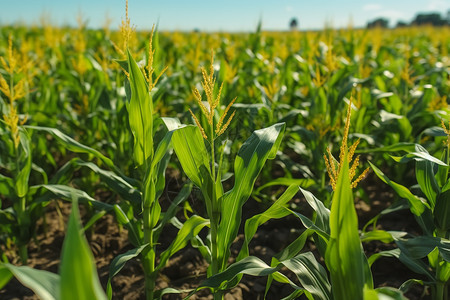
point(77, 279)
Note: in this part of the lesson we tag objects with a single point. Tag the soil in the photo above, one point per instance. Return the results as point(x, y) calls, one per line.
point(187, 268)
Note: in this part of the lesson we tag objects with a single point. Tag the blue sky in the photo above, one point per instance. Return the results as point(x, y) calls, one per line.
point(231, 15)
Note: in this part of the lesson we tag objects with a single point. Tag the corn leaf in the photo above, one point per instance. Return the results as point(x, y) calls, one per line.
point(421, 246)
point(417, 207)
point(140, 111)
point(344, 256)
point(134, 232)
point(260, 146)
point(312, 276)
point(6, 186)
point(190, 148)
point(5, 275)
point(417, 156)
point(74, 146)
point(79, 279)
point(442, 211)
point(407, 147)
point(416, 265)
point(191, 151)
point(173, 208)
point(45, 285)
point(119, 262)
point(310, 225)
point(276, 211)
point(384, 293)
point(305, 183)
point(159, 163)
point(188, 231)
point(24, 164)
point(323, 213)
point(112, 180)
point(427, 181)
point(250, 265)
point(69, 194)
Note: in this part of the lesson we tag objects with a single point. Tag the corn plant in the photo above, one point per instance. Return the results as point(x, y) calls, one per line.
point(430, 209)
point(195, 147)
point(151, 157)
point(19, 215)
point(77, 278)
point(337, 238)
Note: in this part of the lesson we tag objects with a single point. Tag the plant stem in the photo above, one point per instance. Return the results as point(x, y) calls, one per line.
point(213, 218)
point(218, 295)
point(148, 256)
point(440, 285)
point(148, 262)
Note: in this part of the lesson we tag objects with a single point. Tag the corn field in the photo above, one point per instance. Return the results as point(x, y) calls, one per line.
point(263, 165)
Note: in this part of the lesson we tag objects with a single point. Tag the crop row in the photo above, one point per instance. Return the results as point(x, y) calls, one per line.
point(261, 116)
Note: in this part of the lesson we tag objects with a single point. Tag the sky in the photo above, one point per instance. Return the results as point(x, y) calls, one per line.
point(214, 15)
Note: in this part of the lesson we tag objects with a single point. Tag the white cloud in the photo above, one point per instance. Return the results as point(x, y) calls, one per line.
point(288, 8)
point(372, 7)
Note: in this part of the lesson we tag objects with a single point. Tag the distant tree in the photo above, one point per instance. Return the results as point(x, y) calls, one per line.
point(293, 24)
point(380, 22)
point(434, 19)
point(401, 24)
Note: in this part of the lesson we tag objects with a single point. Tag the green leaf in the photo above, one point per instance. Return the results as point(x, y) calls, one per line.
point(417, 207)
point(6, 186)
point(323, 213)
point(442, 211)
point(408, 283)
point(140, 113)
point(44, 284)
point(421, 246)
point(426, 178)
point(344, 256)
point(304, 183)
point(310, 225)
point(79, 279)
point(122, 218)
point(171, 123)
point(74, 146)
point(165, 291)
point(5, 275)
point(407, 147)
point(119, 262)
point(312, 276)
point(24, 164)
point(384, 293)
point(159, 163)
point(173, 208)
point(69, 194)
point(276, 211)
point(259, 147)
point(191, 151)
point(293, 248)
point(321, 225)
point(418, 156)
point(113, 181)
point(190, 230)
point(190, 148)
point(377, 235)
point(250, 265)
point(310, 273)
point(416, 265)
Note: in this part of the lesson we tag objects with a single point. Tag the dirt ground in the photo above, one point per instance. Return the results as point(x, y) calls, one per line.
point(187, 268)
